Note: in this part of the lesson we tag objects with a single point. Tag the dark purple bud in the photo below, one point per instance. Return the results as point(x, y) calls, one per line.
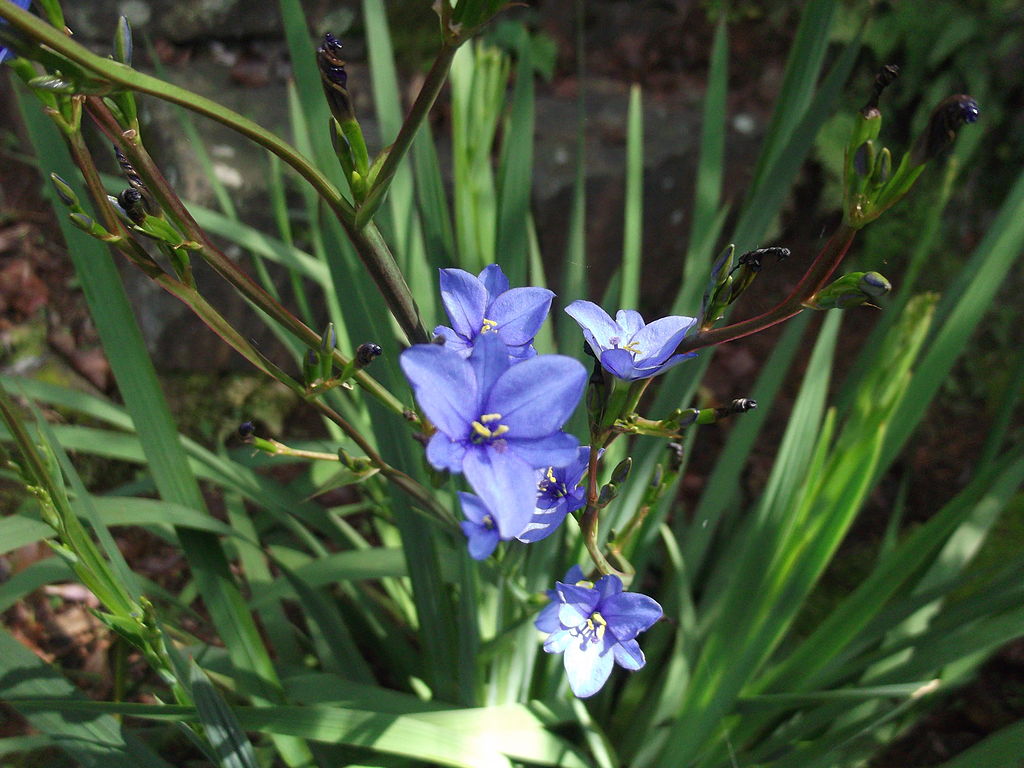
point(367, 353)
point(947, 118)
point(133, 204)
point(862, 159)
point(677, 453)
point(742, 405)
point(128, 170)
point(246, 430)
point(607, 495)
point(621, 472)
point(334, 78)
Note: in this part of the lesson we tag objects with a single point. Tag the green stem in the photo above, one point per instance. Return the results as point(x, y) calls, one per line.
point(425, 99)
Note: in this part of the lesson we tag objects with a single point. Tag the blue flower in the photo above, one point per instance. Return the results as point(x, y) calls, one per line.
point(626, 346)
point(481, 305)
point(558, 493)
point(597, 627)
point(479, 526)
point(496, 422)
point(5, 53)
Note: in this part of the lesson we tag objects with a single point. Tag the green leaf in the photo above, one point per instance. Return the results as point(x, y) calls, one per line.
point(95, 742)
point(231, 746)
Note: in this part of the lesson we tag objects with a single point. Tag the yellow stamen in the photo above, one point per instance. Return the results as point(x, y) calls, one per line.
point(501, 429)
point(489, 325)
point(550, 475)
point(480, 429)
point(490, 417)
point(632, 347)
point(602, 625)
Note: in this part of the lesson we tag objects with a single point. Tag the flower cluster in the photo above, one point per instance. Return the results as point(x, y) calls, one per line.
point(499, 407)
point(595, 626)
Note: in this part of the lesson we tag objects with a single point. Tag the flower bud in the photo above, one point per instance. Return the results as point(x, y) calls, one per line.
point(677, 454)
point(310, 368)
point(742, 405)
point(748, 266)
point(864, 158)
point(366, 353)
point(134, 205)
point(123, 42)
point(850, 290)
point(621, 471)
point(717, 290)
point(947, 118)
point(883, 168)
point(89, 225)
point(246, 430)
point(64, 191)
point(130, 174)
point(334, 78)
point(607, 495)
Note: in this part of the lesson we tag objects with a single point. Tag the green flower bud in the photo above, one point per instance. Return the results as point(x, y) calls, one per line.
point(123, 42)
point(850, 290)
point(64, 192)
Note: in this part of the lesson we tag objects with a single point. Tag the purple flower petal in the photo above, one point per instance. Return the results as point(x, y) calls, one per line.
point(519, 314)
point(444, 385)
point(482, 540)
point(630, 613)
point(659, 340)
point(629, 655)
point(542, 525)
point(558, 641)
point(574, 575)
point(550, 451)
point(536, 397)
point(494, 280)
point(598, 328)
point(662, 367)
point(506, 485)
point(452, 340)
point(489, 361)
point(608, 586)
point(445, 453)
point(465, 299)
point(472, 507)
point(547, 619)
point(577, 603)
point(619, 362)
point(630, 321)
point(522, 352)
point(587, 666)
